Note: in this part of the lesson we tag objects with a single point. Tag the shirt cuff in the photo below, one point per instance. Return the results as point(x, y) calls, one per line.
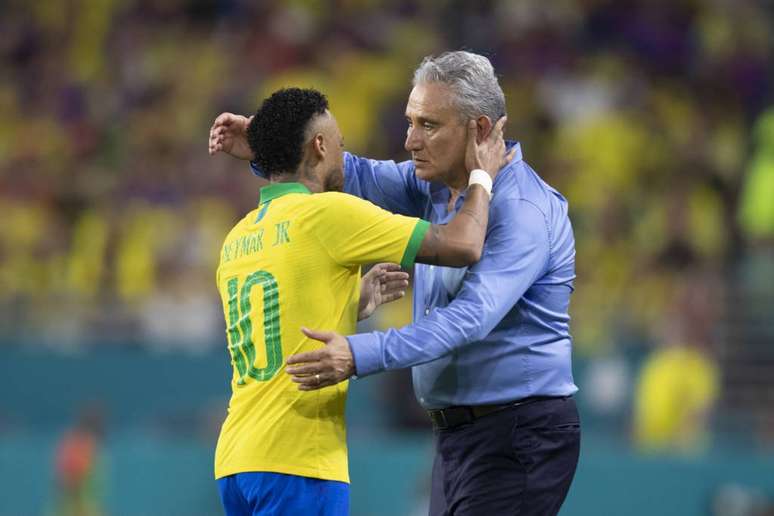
point(367, 353)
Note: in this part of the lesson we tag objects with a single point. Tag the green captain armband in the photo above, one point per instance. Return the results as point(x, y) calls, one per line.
point(414, 243)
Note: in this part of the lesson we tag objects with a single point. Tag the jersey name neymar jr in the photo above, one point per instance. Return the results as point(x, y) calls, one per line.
point(292, 262)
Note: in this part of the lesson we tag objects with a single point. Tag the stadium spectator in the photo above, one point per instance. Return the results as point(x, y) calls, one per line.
point(78, 469)
point(678, 385)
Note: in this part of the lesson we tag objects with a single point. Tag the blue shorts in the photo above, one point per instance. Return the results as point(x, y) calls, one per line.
point(276, 494)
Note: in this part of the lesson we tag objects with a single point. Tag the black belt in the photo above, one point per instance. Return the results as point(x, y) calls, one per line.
point(451, 417)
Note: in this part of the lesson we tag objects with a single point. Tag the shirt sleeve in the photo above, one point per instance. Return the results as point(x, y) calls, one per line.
point(389, 185)
point(515, 255)
point(356, 232)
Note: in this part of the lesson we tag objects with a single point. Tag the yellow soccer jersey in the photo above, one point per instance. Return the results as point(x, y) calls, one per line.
point(292, 262)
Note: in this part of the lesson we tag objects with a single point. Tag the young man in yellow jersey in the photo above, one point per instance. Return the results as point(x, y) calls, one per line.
point(295, 262)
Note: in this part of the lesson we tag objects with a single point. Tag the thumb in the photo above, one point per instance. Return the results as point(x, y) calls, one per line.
point(224, 119)
point(322, 336)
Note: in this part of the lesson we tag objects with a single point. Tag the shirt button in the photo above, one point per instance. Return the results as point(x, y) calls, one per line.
point(427, 311)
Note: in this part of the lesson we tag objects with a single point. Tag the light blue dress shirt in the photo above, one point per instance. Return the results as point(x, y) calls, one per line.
point(499, 330)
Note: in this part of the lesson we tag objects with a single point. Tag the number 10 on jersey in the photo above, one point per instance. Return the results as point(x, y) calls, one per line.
point(240, 327)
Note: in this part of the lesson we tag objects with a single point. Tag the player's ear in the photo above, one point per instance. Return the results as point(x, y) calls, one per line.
point(319, 147)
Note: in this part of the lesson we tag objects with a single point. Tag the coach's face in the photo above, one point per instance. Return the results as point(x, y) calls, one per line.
point(436, 134)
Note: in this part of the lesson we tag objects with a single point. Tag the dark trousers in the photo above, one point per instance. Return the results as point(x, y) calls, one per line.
point(517, 461)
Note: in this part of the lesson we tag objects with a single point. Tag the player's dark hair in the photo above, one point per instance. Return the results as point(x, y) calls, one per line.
point(276, 132)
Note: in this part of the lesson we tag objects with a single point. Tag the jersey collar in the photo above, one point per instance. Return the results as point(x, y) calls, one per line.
point(275, 190)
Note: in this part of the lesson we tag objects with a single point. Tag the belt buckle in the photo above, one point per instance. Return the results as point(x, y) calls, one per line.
point(444, 421)
point(438, 417)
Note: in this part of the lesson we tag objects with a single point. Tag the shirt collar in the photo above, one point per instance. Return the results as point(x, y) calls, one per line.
point(510, 144)
point(275, 190)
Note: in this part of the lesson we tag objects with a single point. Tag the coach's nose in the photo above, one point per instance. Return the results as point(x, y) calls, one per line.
point(413, 141)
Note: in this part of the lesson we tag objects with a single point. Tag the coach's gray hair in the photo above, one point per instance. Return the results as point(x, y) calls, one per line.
point(471, 79)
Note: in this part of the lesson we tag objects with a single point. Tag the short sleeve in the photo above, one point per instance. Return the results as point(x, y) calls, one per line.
point(356, 232)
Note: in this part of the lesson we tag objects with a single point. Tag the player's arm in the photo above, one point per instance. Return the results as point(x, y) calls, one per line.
point(460, 242)
point(387, 184)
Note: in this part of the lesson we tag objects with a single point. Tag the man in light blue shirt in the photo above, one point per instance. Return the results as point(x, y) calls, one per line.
point(490, 345)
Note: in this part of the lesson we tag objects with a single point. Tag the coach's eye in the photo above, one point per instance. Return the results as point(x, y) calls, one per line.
point(428, 125)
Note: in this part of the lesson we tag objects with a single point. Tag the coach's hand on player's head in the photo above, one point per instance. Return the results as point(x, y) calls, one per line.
point(229, 134)
point(322, 367)
point(486, 146)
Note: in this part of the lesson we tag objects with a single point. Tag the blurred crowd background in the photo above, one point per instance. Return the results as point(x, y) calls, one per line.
point(654, 118)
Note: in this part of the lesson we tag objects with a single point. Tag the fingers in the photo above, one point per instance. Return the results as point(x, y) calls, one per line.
point(312, 382)
point(387, 267)
point(498, 128)
point(309, 356)
point(314, 387)
point(305, 369)
point(396, 274)
point(212, 141)
point(496, 134)
point(392, 296)
point(472, 133)
point(323, 383)
point(219, 131)
point(391, 286)
point(386, 272)
point(308, 380)
point(322, 336)
point(390, 277)
point(217, 134)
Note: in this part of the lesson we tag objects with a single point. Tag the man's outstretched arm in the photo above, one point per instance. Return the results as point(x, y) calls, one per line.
point(387, 184)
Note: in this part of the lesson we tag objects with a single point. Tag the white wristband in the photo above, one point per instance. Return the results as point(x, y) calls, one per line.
point(481, 177)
